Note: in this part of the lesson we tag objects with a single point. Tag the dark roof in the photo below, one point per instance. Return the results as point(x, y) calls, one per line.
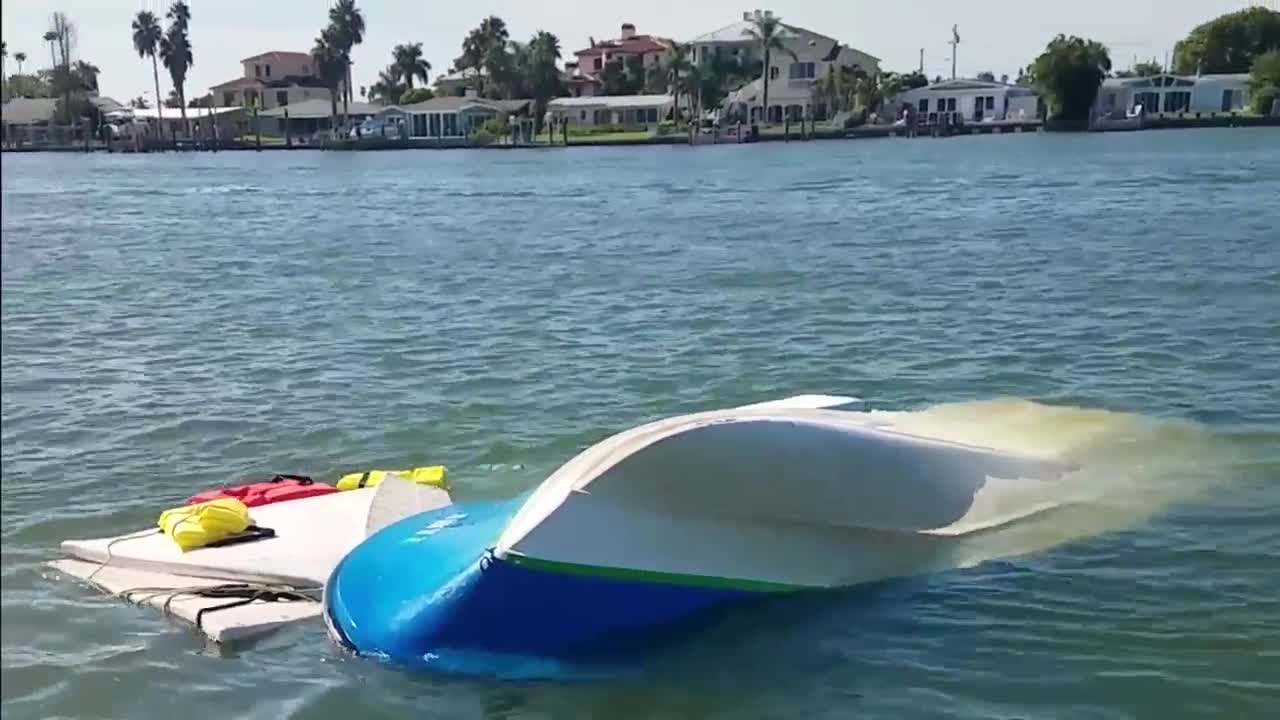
point(277, 53)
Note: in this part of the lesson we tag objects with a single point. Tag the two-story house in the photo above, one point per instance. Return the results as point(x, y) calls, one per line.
point(271, 80)
point(585, 71)
point(793, 76)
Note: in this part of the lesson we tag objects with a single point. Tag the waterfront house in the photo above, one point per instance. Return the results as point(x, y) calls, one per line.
point(311, 116)
point(452, 117)
point(271, 80)
point(630, 112)
point(1173, 95)
point(585, 72)
point(457, 83)
point(791, 80)
point(224, 123)
point(962, 101)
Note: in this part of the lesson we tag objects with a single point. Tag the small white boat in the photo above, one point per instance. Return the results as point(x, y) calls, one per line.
point(671, 518)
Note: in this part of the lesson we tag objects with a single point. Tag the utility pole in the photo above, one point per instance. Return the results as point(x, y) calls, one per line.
point(922, 62)
point(955, 43)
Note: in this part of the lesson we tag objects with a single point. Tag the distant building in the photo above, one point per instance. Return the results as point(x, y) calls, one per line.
point(967, 101)
point(584, 73)
point(631, 112)
point(310, 116)
point(792, 80)
point(459, 82)
point(271, 80)
point(1168, 94)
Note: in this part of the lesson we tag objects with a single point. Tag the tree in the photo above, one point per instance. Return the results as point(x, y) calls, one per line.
point(987, 76)
point(409, 63)
point(139, 103)
point(4, 53)
point(204, 101)
point(542, 73)
point(86, 74)
point(348, 30)
point(1149, 68)
point(146, 41)
point(175, 53)
point(61, 38)
point(416, 95)
point(1264, 81)
point(913, 80)
point(1069, 73)
point(623, 76)
point(1228, 43)
point(327, 55)
point(766, 31)
point(482, 46)
point(19, 57)
point(672, 69)
point(388, 89)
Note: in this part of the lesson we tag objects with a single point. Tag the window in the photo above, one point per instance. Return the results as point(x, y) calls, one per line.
point(433, 125)
point(1177, 101)
point(951, 104)
point(306, 69)
point(282, 98)
point(773, 73)
point(257, 71)
point(582, 115)
point(267, 71)
point(1149, 101)
point(801, 71)
point(228, 99)
point(924, 105)
point(451, 124)
point(651, 115)
point(597, 64)
point(991, 102)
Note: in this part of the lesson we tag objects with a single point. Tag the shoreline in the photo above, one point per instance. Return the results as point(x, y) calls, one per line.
point(769, 136)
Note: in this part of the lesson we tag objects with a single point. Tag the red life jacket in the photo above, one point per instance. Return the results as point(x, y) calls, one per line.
point(278, 489)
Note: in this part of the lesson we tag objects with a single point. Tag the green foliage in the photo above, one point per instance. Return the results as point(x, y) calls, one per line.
point(416, 95)
point(913, 80)
point(388, 89)
point(1068, 73)
point(1228, 43)
point(624, 76)
point(493, 130)
point(1150, 68)
point(987, 76)
point(1264, 81)
point(407, 63)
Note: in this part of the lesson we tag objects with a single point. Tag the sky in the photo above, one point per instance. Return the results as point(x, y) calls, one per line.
point(995, 35)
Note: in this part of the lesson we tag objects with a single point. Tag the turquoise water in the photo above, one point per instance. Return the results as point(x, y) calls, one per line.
point(173, 322)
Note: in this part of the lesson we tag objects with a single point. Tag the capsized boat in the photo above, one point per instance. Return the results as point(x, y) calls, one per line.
point(665, 520)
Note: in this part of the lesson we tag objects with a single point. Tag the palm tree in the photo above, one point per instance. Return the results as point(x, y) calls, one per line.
point(767, 31)
point(87, 74)
point(388, 89)
point(327, 55)
point(409, 64)
point(348, 24)
point(175, 53)
point(4, 53)
point(542, 74)
point(20, 57)
point(676, 65)
point(146, 40)
point(485, 48)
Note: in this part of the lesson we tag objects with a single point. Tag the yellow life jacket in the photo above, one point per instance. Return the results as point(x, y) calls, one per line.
point(194, 526)
point(429, 475)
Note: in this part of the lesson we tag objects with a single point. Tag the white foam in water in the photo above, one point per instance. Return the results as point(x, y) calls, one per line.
point(1125, 468)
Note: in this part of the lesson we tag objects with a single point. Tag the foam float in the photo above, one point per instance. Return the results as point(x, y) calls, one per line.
point(665, 520)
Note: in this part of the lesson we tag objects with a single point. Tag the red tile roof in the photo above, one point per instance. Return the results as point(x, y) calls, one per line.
point(636, 45)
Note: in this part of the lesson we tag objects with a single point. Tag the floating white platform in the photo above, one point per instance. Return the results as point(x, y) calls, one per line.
point(312, 536)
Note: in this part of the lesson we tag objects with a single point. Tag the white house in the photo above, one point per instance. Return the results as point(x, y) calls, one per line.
point(791, 79)
point(451, 117)
point(967, 101)
point(626, 111)
point(1167, 94)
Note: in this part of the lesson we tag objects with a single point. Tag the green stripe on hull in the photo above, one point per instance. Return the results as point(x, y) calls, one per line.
point(648, 576)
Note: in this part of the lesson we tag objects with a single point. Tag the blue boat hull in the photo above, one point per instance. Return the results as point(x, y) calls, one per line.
point(426, 590)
